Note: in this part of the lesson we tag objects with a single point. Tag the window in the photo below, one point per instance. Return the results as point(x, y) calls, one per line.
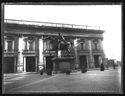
point(95, 42)
point(48, 45)
point(30, 44)
point(82, 46)
point(10, 45)
point(96, 46)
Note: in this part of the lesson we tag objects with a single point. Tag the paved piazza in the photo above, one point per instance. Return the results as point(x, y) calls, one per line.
point(108, 81)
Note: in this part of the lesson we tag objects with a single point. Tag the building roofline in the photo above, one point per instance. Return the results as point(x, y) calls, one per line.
point(51, 24)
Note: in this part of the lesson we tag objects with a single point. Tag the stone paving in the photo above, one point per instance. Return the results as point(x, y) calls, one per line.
point(92, 81)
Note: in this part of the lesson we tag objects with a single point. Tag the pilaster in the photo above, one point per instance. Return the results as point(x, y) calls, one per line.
point(13, 45)
point(24, 69)
point(20, 55)
point(91, 62)
point(41, 51)
point(103, 54)
point(100, 43)
point(100, 60)
point(76, 53)
point(5, 44)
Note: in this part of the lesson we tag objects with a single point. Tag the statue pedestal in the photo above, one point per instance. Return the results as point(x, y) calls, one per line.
point(63, 64)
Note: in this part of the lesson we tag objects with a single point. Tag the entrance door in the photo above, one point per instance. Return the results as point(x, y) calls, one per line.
point(8, 65)
point(83, 61)
point(30, 64)
point(49, 64)
point(96, 60)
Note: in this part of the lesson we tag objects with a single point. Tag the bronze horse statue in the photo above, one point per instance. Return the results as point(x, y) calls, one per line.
point(63, 44)
point(59, 43)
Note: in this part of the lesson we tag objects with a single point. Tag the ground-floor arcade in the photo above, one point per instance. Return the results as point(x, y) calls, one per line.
point(30, 63)
point(9, 65)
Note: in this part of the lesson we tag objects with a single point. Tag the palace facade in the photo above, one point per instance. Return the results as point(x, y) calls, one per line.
point(28, 45)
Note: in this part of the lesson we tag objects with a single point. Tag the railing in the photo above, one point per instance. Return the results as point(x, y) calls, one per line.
point(96, 50)
point(49, 24)
point(10, 51)
point(66, 54)
point(29, 51)
point(85, 50)
point(24, 51)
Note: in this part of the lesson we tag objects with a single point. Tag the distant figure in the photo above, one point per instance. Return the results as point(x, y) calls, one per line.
point(102, 67)
point(41, 69)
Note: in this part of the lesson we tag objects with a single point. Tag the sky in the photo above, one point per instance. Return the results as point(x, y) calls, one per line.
point(107, 17)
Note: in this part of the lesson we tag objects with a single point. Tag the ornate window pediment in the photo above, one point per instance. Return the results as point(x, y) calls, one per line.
point(50, 43)
point(9, 43)
point(29, 43)
point(82, 44)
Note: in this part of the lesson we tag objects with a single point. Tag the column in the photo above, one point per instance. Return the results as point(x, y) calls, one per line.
point(13, 45)
point(90, 54)
point(44, 61)
point(15, 64)
point(24, 66)
point(20, 56)
point(36, 64)
point(40, 51)
point(27, 43)
point(100, 60)
point(100, 44)
point(103, 54)
point(73, 53)
point(54, 68)
point(34, 44)
point(76, 54)
point(5, 44)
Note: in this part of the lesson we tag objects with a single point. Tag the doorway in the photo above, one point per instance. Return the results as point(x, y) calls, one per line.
point(30, 64)
point(8, 65)
point(96, 61)
point(49, 63)
point(83, 61)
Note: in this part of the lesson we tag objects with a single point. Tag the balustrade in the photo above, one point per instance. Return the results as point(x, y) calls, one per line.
point(29, 51)
point(10, 51)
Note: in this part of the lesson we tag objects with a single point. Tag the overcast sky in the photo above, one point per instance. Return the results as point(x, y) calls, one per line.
point(108, 17)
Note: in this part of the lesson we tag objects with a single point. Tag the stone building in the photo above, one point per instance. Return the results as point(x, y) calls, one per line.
point(28, 45)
